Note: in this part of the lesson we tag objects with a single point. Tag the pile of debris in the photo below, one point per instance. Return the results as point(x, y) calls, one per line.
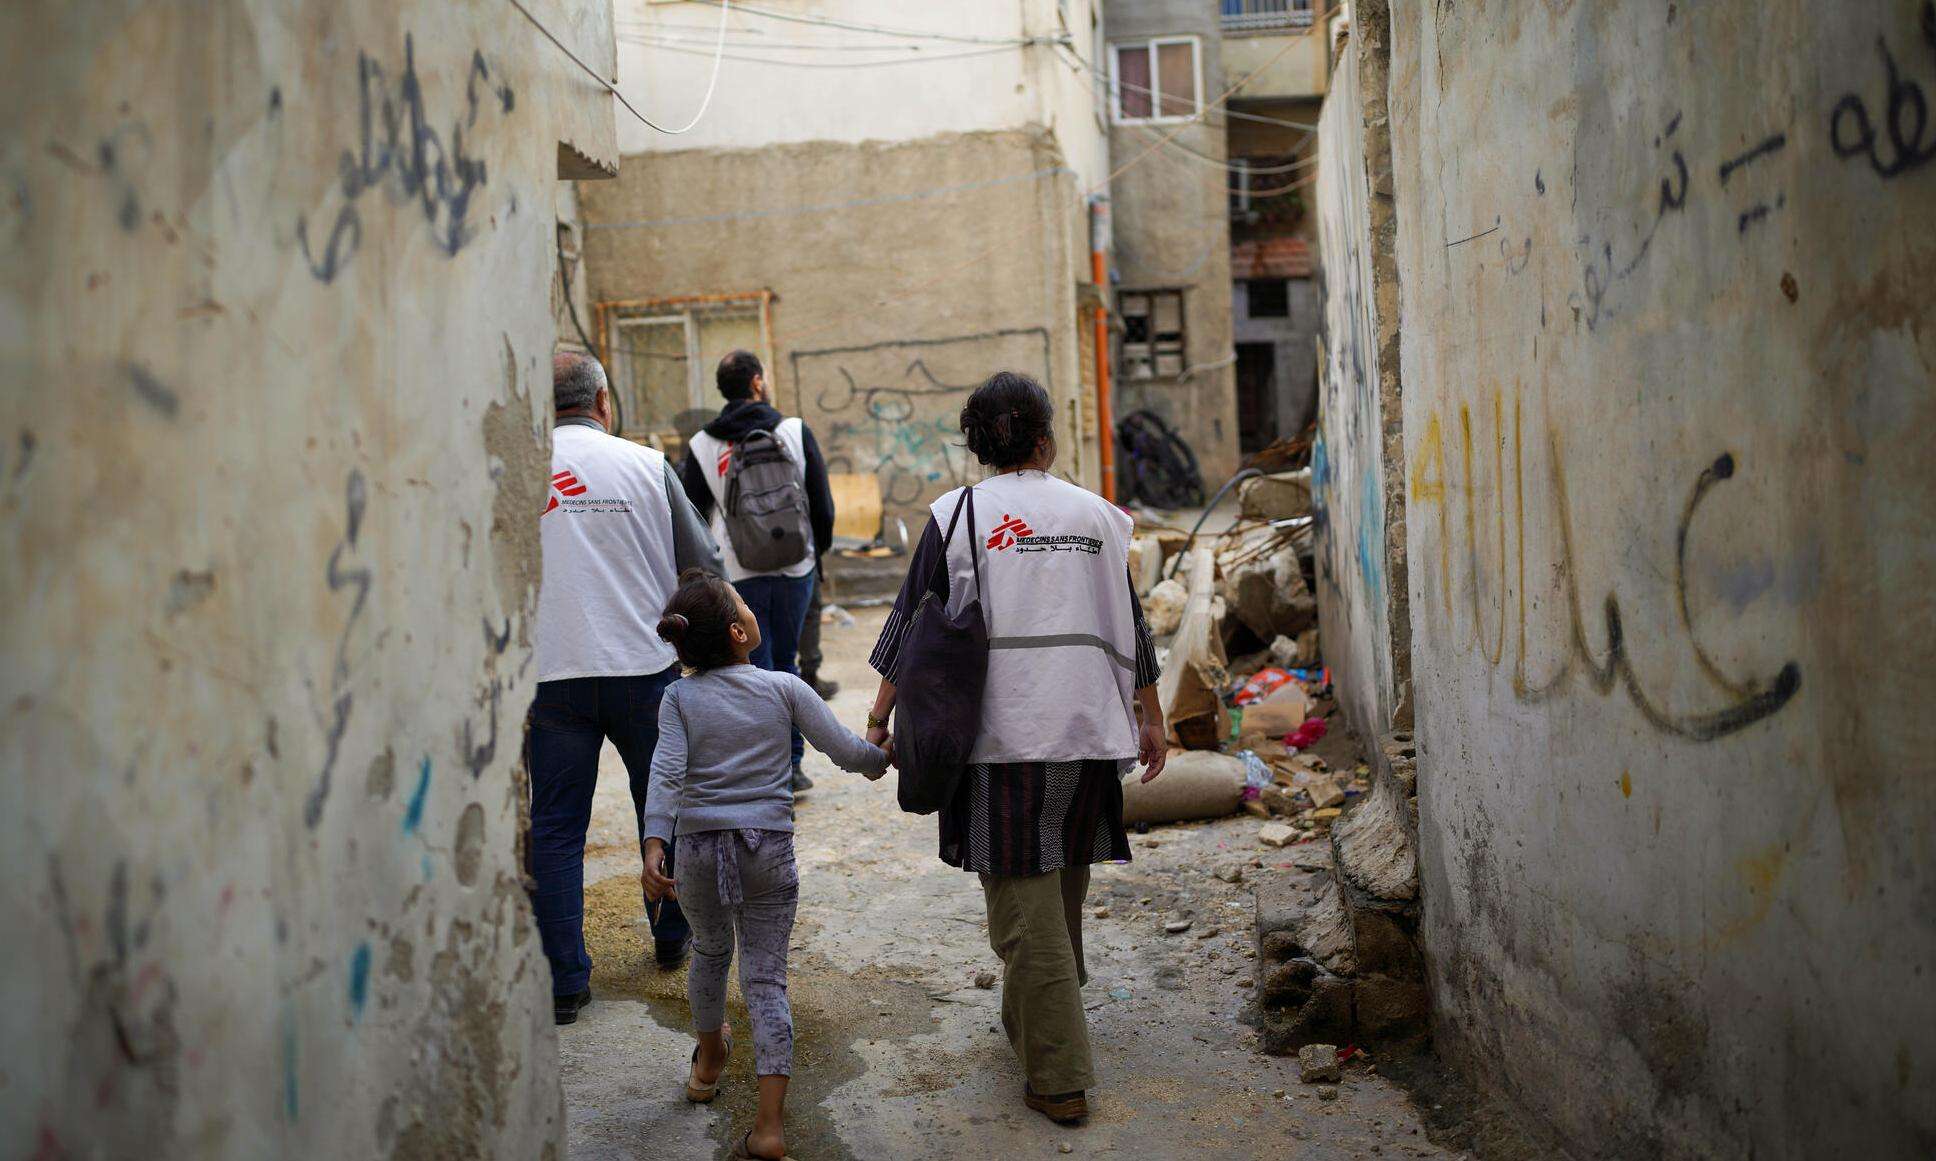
point(1245, 726)
point(1249, 705)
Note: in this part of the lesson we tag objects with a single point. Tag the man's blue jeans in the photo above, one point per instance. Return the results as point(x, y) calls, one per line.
point(570, 721)
point(779, 604)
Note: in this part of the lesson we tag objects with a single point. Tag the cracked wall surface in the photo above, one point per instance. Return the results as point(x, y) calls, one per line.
point(1667, 348)
point(275, 319)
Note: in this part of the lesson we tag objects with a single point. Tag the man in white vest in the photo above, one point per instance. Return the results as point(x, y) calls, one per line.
point(616, 529)
point(778, 593)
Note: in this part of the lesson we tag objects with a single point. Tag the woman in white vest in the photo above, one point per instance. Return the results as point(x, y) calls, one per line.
point(1070, 705)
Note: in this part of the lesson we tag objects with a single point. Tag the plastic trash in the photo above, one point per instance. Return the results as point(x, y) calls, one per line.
point(836, 616)
point(1257, 775)
point(1306, 734)
point(1261, 685)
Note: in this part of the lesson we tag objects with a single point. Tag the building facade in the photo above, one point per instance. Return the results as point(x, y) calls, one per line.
point(886, 217)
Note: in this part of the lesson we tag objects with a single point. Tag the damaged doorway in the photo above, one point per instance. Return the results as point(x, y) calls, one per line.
point(1256, 396)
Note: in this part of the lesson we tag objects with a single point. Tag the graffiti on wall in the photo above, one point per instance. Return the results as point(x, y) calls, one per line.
point(398, 146)
point(1900, 136)
point(1742, 701)
point(891, 408)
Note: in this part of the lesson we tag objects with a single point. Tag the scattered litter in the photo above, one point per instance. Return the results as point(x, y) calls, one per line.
point(1119, 993)
point(836, 616)
point(1263, 683)
point(1306, 734)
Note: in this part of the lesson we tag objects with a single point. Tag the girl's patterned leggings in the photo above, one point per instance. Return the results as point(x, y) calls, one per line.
point(744, 881)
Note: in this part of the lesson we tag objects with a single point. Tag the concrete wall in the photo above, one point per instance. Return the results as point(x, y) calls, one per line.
point(274, 440)
point(903, 274)
point(1357, 465)
point(1171, 229)
point(1668, 353)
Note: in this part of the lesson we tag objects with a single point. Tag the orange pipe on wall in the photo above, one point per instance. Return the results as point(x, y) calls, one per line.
point(1105, 406)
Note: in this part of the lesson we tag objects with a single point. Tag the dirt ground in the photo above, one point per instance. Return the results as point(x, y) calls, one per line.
point(899, 1055)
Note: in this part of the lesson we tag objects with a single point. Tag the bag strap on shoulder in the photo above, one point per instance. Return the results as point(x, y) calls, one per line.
point(967, 501)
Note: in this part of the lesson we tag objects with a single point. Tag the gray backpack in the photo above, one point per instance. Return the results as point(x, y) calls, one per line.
point(766, 505)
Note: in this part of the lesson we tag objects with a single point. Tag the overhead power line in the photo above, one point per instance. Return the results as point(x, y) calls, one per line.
point(879, 29)
point(824, 64)
point(705, 102)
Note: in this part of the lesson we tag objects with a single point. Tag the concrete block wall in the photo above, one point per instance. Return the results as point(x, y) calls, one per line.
point(275, 319)
point(1667, 353)
point(903, 275)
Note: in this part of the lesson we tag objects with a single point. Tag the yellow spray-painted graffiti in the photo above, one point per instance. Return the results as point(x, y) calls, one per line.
point(1752, 699)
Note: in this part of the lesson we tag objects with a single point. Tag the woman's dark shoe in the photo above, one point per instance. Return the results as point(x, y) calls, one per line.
point(565, 1009)
point(1065, 1108)
point(801, 781)
point(826, 689)
point(671, 955)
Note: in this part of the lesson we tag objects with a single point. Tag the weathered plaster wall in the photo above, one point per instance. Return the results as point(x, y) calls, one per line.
point(1171, 227)
point(274, 318)
point(1668, 354)
point(893, 300)
point(1357, 465)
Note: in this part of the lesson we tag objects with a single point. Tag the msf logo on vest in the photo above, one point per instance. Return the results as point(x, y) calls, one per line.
point(562, 484)
point(1008, 533)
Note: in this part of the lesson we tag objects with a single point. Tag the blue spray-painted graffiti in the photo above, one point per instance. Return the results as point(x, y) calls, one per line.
point(359, 978)
point(413, 813)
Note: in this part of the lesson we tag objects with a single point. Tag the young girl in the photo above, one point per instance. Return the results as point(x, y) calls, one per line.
point(721, 782)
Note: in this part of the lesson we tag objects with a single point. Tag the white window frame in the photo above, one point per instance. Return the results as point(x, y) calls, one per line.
point(1149, 47)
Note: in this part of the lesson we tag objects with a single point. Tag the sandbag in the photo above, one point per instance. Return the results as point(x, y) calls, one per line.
point(1193, 784)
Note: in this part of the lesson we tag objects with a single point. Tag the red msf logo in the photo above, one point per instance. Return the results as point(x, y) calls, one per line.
point(725, 460)
point(562, 484)
point(1007, 531)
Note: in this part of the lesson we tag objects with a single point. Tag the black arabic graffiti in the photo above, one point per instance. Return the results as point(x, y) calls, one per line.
point(397, 144)
point(1906, 121)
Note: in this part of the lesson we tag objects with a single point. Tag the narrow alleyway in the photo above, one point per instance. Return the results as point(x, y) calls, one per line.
point(900, 1054)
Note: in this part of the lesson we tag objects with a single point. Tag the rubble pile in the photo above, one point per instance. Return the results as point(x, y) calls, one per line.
point(1248, 700)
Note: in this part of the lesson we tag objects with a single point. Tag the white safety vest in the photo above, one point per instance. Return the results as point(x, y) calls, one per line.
point(609, 566)
point(1062, 636)
point(715, 455)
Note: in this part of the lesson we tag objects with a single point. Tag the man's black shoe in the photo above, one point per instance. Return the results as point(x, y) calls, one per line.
point(801, 781)
point(826, 689)
point(672, 955)
point(564, 1009)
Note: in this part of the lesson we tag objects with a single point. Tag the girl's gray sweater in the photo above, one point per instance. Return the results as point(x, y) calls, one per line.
point(725, 761)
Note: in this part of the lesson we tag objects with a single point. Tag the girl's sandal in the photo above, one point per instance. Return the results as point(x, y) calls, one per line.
point(744, 1150)
point(701, 1094)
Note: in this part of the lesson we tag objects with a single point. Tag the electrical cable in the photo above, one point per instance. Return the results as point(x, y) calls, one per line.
point(1232, 482)
point(704, 104)
point(881, 30)
point(810, 64)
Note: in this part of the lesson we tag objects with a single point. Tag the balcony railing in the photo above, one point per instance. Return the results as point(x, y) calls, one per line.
point(1262, 15)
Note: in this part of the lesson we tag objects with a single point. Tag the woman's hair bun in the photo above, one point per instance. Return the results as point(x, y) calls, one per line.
point(672, 627)
point(1006, 419)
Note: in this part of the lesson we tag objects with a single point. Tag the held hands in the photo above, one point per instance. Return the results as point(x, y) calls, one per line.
point(657, 885)
point(1152, 748)
point(879, 738)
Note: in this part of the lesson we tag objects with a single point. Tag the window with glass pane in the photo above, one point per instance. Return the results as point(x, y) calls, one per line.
point(1152, 333)
point(1176, 70)
point(1157, 80)
point(1133, 81)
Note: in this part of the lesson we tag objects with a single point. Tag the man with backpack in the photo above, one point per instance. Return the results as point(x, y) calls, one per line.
point(759, 478)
